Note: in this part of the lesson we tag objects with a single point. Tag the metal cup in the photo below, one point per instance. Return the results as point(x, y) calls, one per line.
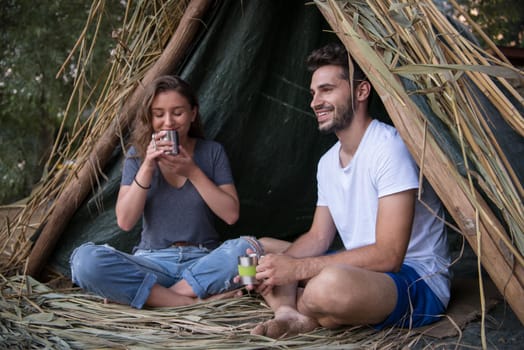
point(247, 268)
point(171, 135)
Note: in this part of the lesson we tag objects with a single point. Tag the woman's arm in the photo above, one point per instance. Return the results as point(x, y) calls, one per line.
point(132, 198)
point(222, 200)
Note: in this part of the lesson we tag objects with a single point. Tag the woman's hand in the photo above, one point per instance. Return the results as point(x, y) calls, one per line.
point(222, 200)
point(181, 164)
point(155, 150)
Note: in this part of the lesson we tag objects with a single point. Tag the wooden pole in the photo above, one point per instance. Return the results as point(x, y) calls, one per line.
point(464, 204)
point(78, 189)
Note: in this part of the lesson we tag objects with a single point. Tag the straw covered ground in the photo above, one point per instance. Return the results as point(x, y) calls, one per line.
point(36, 316)
point(49, 316)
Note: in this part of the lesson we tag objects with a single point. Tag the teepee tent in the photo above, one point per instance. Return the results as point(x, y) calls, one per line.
point(450, 100)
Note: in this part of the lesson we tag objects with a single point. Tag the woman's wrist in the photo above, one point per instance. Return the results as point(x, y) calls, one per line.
point(141, 185)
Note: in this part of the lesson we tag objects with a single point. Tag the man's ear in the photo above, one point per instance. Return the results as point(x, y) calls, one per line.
point(363, 90)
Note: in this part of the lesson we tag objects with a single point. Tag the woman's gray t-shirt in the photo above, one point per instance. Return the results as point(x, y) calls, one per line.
point(173, 215)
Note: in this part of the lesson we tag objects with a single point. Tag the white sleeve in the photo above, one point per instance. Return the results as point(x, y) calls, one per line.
point(321, 200)
point(395, 168)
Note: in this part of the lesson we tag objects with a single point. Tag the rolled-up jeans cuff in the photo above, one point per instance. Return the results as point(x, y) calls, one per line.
point(257, 246)
point(214, 273)
point(144, 291)
point(198, 289)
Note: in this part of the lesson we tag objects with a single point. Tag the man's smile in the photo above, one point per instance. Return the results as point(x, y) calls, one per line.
point(323, 113)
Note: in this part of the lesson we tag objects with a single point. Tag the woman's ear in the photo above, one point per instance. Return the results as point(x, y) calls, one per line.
point(194, 113)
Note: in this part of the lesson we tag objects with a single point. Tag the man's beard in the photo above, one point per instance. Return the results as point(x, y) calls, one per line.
point(341, 119)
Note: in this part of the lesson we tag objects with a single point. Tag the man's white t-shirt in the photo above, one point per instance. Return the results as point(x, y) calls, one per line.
point(382, 166)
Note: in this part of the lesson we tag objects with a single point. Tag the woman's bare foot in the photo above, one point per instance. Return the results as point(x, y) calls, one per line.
point(107, 301)
point(226, 295)
point(287, 323)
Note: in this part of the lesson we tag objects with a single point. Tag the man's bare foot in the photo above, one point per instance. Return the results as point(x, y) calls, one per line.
point(287, 323)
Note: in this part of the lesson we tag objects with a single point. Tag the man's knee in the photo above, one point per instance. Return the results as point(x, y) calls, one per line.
point(333, 278)
point(321, 291)
point(327, 291)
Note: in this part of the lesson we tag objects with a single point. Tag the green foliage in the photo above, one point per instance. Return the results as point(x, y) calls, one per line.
point(35, 40)
point(501, 20)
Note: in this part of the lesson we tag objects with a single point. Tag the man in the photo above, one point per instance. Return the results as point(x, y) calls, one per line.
point(394, 269)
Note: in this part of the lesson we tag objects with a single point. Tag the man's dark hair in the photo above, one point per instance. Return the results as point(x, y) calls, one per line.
point(337, 55)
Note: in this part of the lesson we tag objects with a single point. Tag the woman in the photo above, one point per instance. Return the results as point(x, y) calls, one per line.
point(178, 197)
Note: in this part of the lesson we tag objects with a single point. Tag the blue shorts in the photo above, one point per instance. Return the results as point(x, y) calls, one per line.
point(417, 305)
point(128, 278)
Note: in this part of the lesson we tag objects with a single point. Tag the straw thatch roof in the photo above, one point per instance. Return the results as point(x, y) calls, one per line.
point(441, 91)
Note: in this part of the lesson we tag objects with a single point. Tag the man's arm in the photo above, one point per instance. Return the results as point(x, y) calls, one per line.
point(319, 237)
point(278, 269)
point(393, 230)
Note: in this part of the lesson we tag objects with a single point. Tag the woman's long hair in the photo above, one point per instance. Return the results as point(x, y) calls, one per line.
point(143, 128)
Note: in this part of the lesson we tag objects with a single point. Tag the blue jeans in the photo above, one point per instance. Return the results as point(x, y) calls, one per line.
point(128, 278)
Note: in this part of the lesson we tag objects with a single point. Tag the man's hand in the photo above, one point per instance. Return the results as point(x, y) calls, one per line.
point(272, 270)
point(276, 270)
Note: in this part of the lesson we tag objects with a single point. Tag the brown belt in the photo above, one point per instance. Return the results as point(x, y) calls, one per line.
point(209, 245)
point(185, 244)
